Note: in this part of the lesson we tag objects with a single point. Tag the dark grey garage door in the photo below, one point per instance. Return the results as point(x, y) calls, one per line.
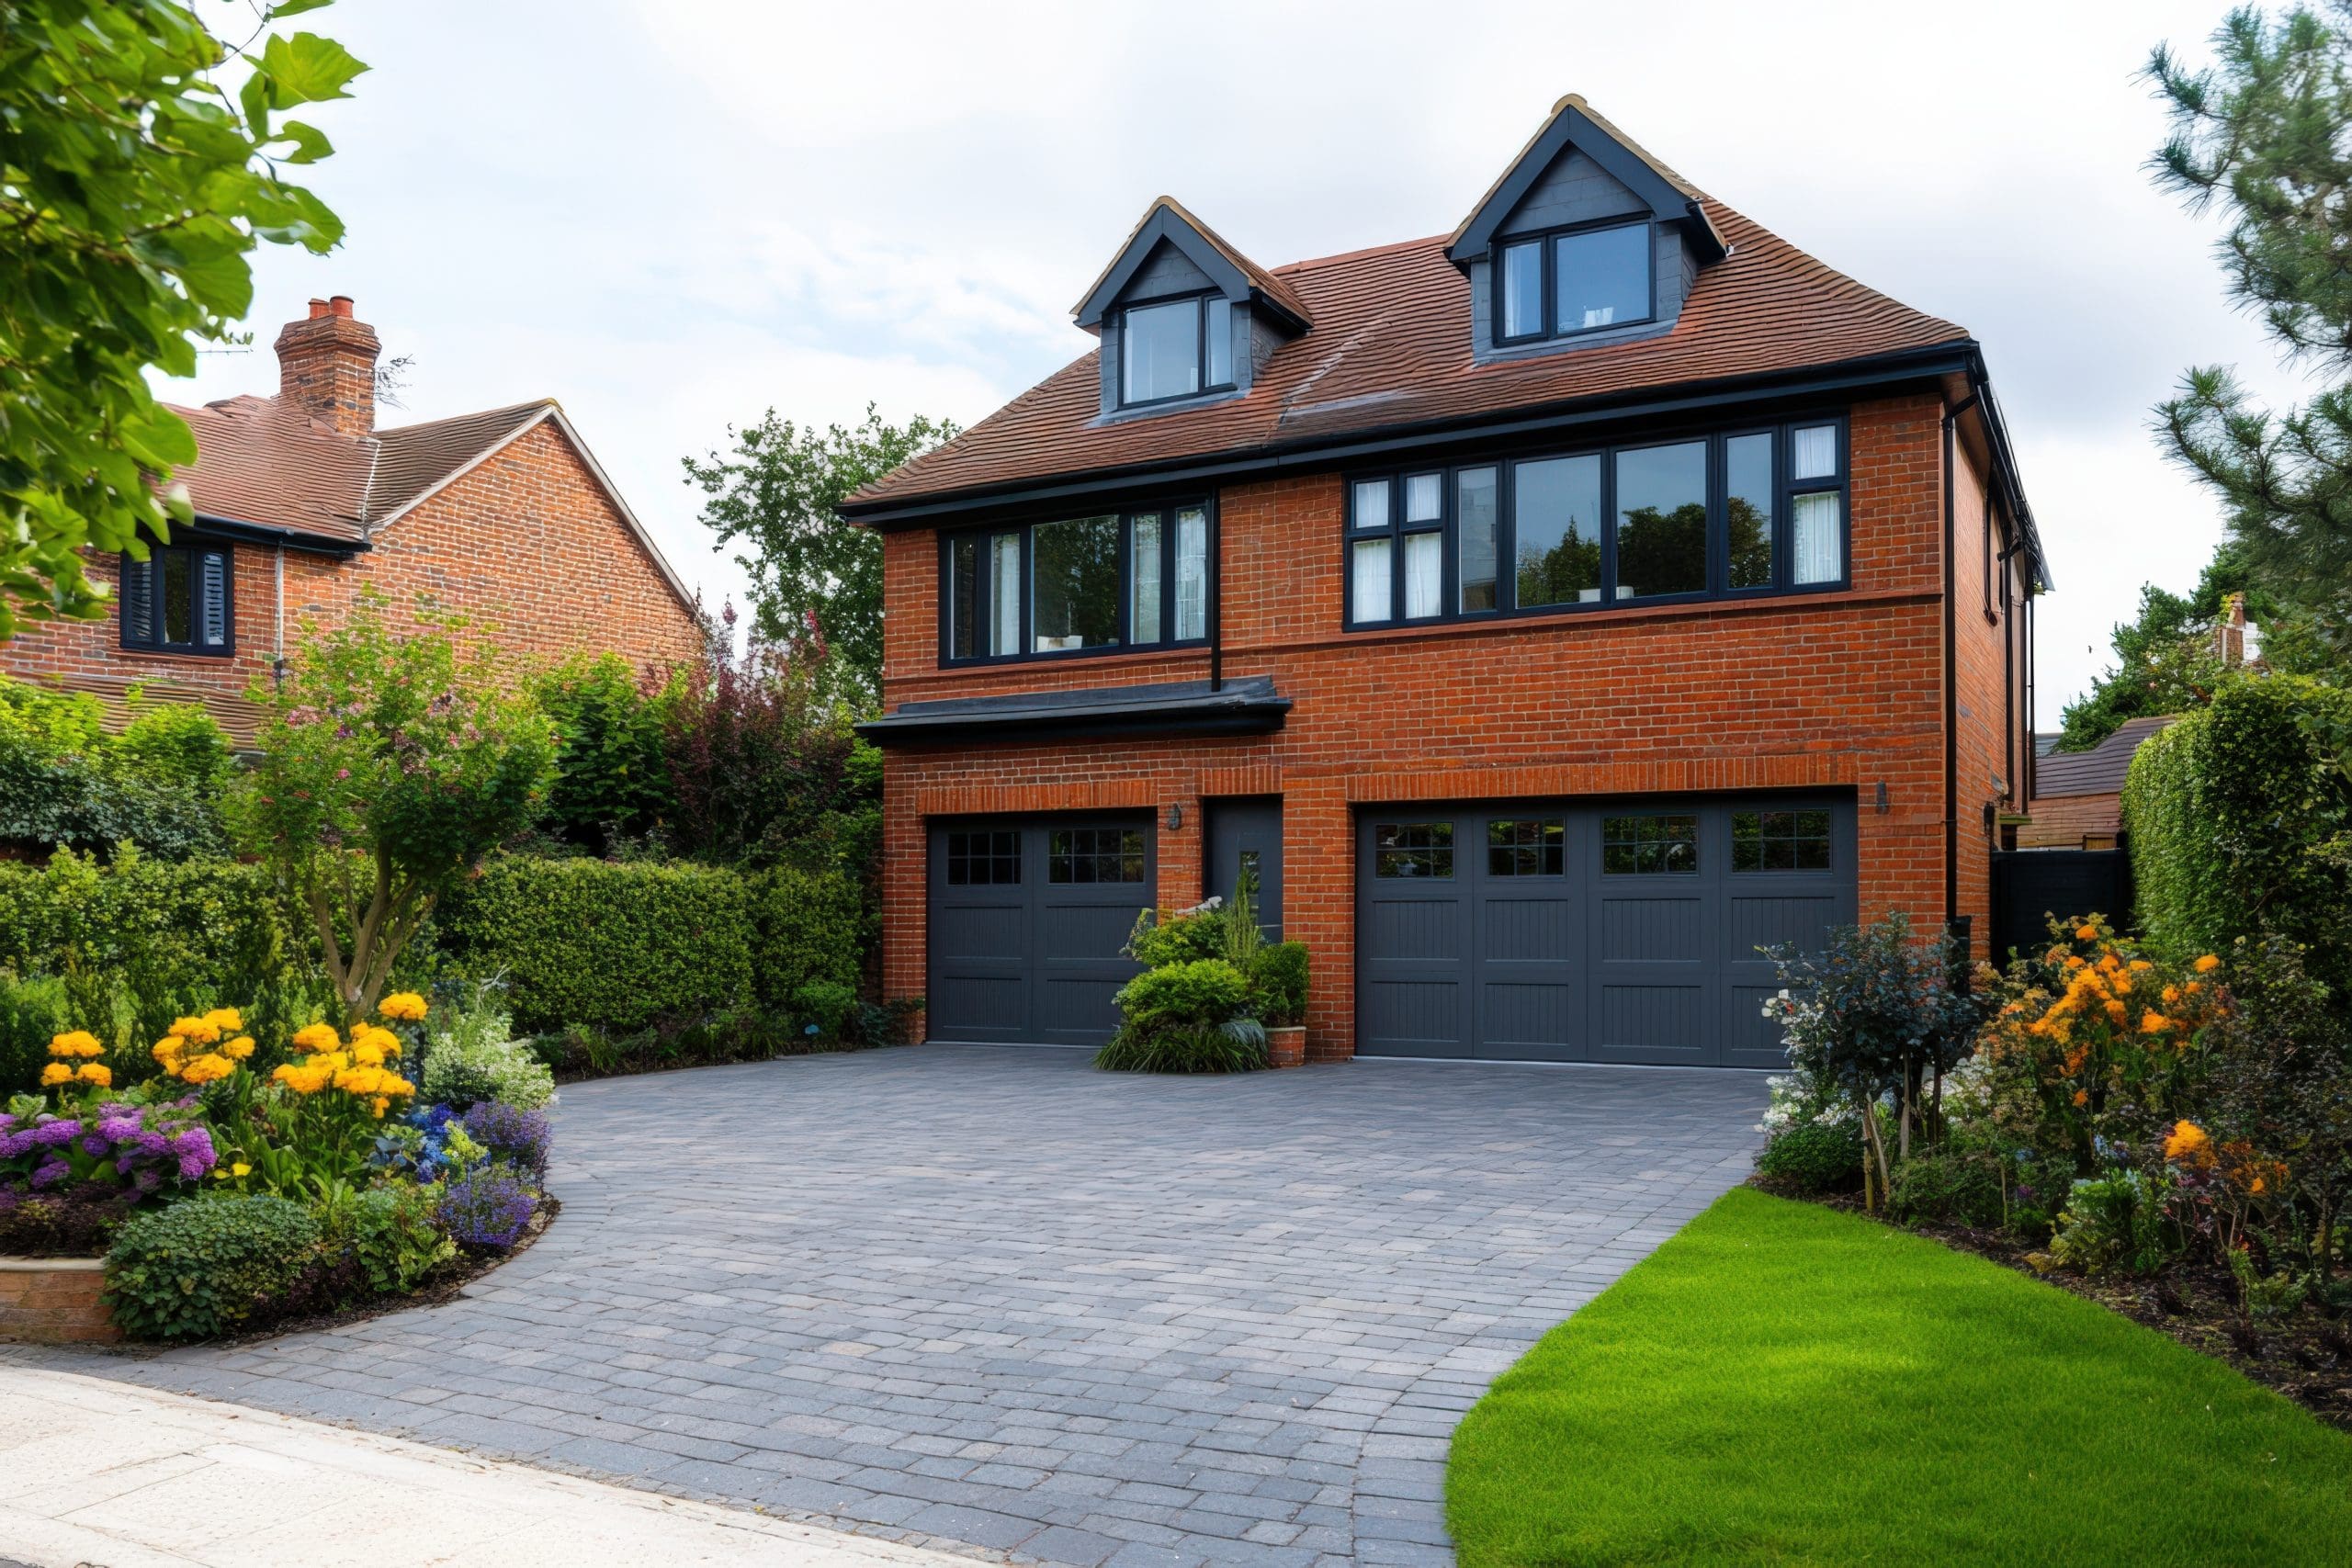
point(1027, 919)
point(1609, 932)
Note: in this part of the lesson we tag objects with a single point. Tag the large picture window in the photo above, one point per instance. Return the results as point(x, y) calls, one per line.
point(1742, 512)
point(1582, 280)
point(180, 600)
point(1075, 585)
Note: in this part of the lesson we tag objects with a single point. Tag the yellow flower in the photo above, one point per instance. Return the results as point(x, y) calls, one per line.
point(197, 1031)
point(226, 1019)
point(309, 1078)
point(367, 1053)
point(76, 1042)
point(403, 1005)
point(240, 1048)
point(380, 1038)
point(2190, 1143)
point(54, 1074)
point(2154, 1023)
point(317, 1037)
point(2207, 965)
point(379, 1103)
point(241, 1168)
point(219, 1173)
point(98, 1073)
point(207, 1067)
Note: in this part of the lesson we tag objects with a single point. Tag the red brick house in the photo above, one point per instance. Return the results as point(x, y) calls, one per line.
point(1548, 614)
point(301, 500)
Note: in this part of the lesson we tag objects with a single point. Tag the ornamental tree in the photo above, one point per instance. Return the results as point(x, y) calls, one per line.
point(133, 184)
point(399, 759)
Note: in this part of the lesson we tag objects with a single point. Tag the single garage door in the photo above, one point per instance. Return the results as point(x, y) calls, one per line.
point(1027, 919)
point(1609, 932)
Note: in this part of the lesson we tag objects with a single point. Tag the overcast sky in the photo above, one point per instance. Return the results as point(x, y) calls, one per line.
point(673, 214)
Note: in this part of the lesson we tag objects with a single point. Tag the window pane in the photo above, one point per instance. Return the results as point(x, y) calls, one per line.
point(1536, 847)
point(1473, 505)
point(1522, 286)
point(1413, 849)
point(963, 593)
point(1424, 574)
point(1602, 278)
point(1372, 503)
point(1647, 846)
point(1369, 593)
point(1192, 574)
point(1143, 609)
point(1161, 351)
point(1662, 519)
point(1779, 840)
point(1747, 509)
point(1218, 330)
point(1424, 498)
point(1004, 602)
point(180, 592)
point(1076, 595)
point(1094, 855)
point(1558, 509)
point(983, 859)
point(1818, 537)
point(1812, 453)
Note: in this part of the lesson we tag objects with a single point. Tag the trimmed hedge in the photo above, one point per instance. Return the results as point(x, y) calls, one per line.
point(606, 944)
point(2230, 810)
point(810, 928)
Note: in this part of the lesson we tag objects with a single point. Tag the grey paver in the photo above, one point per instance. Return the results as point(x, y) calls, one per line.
point(986, 1298)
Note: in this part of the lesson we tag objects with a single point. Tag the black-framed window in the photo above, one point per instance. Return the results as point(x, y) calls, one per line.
point(1650, 844)
point(1728, 513)
point(984, 858)
point(1779, 840)
point(1573, 281)
point(1417, 850)
point(1076, 585)
point(181, 599)
point(1175, 348)
point(1536, 846)
point(1094, 855)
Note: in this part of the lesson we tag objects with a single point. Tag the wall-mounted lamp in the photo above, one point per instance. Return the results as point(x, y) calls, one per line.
point(1175, 817)
point(1881, 797)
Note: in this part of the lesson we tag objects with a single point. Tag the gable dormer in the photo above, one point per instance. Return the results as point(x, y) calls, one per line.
point(1184, 317)
point(1585, 240)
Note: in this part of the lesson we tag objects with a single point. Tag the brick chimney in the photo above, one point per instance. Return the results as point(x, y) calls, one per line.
point(327, 365)
point(2229, 633)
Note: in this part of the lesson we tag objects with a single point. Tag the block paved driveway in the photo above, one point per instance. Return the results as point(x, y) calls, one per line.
point(990, 1299)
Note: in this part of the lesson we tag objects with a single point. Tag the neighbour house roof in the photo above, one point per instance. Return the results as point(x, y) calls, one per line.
point(2100, 770)
point(1391, 347)
point(265, 463)
point(124, 698)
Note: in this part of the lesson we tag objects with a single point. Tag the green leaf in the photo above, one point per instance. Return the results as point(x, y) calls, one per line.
point(309, 143)
point(306, 69)
point(295, 7)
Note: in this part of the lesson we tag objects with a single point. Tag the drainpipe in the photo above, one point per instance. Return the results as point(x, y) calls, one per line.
point(1952, 680)
point(277, 614)
point(1216, 599)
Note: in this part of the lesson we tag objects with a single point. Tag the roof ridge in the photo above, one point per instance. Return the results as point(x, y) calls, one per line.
point(476, 414)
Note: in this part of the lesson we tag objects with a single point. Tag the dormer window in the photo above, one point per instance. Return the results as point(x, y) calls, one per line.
point(1580, 280)
point(1176, 349)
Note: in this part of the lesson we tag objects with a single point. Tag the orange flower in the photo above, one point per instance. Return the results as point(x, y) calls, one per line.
point(2086, 933)
point(98, 1073)
point(2153, 1023)
point(2189, 1144)
point(2082, 1097)
point(2206, 964)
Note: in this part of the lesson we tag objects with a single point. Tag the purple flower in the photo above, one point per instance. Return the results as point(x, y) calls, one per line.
point(52, 1170)
point(521, 1136)
point(488, 1207)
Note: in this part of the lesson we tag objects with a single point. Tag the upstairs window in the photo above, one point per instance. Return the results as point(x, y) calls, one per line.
point(1744, 513)
point(1075, 585)
point(1175, 349)
point(179, 600)
point(1582, 280)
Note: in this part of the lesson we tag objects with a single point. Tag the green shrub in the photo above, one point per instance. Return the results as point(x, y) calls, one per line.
point(65, 781)
point(810, 928)
point(1199, 994)
point(33, 1011)
point(175, 744)
point(610, 946)
point(1949, 1184)
point(2237, 815)
point(1224, 1050)
point(1817, 1156)
point(475, 1058)
point(1186, 936)
point(388, 1234)
point(202, 1267)
point(1278, 984)
point(611, 780)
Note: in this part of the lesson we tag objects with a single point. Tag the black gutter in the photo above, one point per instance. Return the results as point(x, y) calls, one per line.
point(1960, 356)
point(1952, 680)
point(261, 533)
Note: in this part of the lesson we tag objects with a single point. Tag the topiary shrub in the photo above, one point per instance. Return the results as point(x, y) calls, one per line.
point(1816, 1157)
point(204, 1268)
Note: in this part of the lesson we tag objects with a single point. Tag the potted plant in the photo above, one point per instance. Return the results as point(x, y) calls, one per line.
point(1278, 980)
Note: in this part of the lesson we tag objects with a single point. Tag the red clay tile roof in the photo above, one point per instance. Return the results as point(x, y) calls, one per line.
point(240, 717)
point(264, 461)
point(1391, 348)
point(2101, 770)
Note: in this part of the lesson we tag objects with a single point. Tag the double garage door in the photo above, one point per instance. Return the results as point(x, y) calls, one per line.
point(1591, 933)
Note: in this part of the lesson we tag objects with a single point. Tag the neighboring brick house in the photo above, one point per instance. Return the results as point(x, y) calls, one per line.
point(1547, 613)
point(2078, 796)
point(301, 501)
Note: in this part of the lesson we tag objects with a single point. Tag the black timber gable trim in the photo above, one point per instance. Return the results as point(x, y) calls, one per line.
point(1571, 126)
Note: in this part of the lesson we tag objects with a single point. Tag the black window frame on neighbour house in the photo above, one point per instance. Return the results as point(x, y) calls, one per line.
point(210, 569)
point(1360, 527)
point(1157, 608)
point(1546, 244)
point(1204, 342)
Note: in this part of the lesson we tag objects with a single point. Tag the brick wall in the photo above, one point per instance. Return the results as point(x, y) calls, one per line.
point(526, 543)
point(1837, 691)
point(2073, 822)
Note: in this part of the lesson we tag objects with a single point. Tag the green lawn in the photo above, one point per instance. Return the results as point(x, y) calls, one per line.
point(1782, 1384)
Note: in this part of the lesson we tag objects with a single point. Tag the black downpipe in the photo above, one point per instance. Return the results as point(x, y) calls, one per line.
point(1952, 680)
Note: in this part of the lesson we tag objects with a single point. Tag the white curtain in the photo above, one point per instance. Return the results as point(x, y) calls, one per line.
point(1812, 453)
point(1145, 550)
point(1372, 596)
point(1424, 574)
point(1004, 575)
point(1192, 574)
point(1820, 555)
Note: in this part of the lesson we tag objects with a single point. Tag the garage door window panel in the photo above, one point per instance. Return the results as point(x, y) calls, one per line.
point(1094, 855)
point(1779, 840)
point(1421, 851)
point(1650, 845)
point(984, 858)
point(1527, 847)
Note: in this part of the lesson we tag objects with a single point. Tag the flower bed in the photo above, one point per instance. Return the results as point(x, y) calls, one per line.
point(242, 1185)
